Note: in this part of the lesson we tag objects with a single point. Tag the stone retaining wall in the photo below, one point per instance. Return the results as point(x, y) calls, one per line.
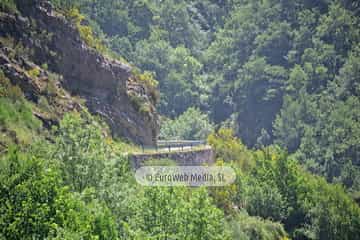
point(196, 157)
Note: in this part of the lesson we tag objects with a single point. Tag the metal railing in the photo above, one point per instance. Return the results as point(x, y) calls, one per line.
point(172, 145)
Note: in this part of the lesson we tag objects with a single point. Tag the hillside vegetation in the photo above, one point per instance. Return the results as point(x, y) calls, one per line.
point(273, 86)
point(283, 72)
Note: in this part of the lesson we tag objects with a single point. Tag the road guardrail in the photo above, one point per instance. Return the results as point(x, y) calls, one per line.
point(173, 144)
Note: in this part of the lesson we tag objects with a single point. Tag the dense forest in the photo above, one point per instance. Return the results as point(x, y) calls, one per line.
point(272, 85)
point(278, 72)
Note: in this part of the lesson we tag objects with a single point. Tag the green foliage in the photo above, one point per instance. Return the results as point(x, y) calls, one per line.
point(287, 72)
point(64, 4)
point(245, 227)
point(8, 6)
point(28, 196)
point(192, 124)
point(177, 72)
point(35, 205)
point(16, 113)
point(264, 199)
point(322, 130)
point(229, 148)
point(166, 38)
point(16, 47)
point(266, 64)
point(7, 90)
point(304, 195)
point(147, 78)
point(277, 188)
point(51, 87)
point(170, 213)
point(86, 32)
point(34, 73)
point(80, 151)
point(140, 104)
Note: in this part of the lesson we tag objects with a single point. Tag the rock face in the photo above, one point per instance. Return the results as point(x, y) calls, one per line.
point(35, 87)
point(107, 85)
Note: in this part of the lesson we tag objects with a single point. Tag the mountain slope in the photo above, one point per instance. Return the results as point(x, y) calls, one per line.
point(38, 42)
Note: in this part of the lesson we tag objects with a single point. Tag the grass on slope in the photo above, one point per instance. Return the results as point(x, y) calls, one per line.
point(17, 122)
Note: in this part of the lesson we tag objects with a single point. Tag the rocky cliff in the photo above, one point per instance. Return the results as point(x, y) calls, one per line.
point(51, 44)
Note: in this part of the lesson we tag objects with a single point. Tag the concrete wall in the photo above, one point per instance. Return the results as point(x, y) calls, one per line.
point(204, 156)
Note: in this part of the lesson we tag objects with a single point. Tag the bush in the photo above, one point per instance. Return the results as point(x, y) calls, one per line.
point(136, 101)
point(85, 32)
point(245, 227)
point(80, 151)
point(33, 73)
point(264, 200)
point(17, 117)
point(151, 84)
point(8, 90)
point(229, 148)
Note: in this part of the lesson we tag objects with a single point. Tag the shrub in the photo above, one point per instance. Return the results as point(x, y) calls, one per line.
point(147, 78)
point(86, 32)
point(8, 90)
point(229, 149)
point(45, 66)
point(151, 84)
point(44, 104)
point(17, 117)
point(80, 151)
point(242, 226)
point(16, 113)
point(145, 108)
point(34, 72)
point(139, 104)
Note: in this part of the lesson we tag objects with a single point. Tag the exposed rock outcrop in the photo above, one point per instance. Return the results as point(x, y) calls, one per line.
point(36, 88)
point(107, 85)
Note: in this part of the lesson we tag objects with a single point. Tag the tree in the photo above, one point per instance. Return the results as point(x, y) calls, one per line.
point(34, 204)
point(178, 213)
point(80, 151)
point(192, 124)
